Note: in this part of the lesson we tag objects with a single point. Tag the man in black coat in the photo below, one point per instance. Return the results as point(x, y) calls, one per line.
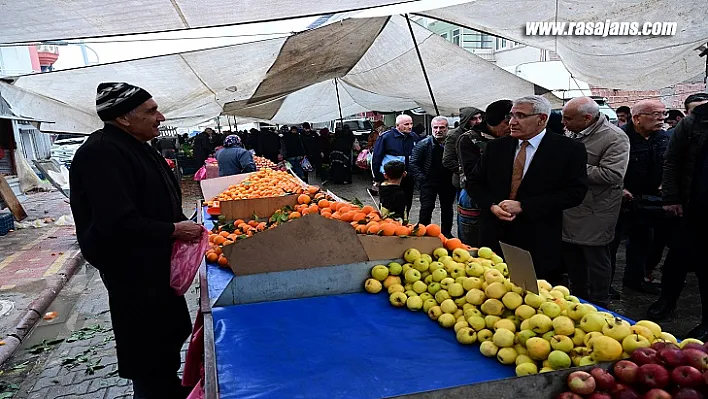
point(128, 211)
point(524, 182)
point(204, 146)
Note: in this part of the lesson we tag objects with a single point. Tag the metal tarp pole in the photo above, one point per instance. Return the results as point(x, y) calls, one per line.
point(422, 66)
point(339, 103)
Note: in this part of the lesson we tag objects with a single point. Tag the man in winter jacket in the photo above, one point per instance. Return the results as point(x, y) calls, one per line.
point(396, 144)
point(685, 196)
point(432, 177)
point(470, 117)
point(589, 228)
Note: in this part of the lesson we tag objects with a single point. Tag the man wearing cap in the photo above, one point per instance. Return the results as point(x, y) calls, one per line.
point(128, 212)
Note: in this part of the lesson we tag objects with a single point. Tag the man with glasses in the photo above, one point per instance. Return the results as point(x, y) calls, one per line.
point(644, 217)
point(525, 181)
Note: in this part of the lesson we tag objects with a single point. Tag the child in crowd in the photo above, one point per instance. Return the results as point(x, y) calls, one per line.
point(392, 196)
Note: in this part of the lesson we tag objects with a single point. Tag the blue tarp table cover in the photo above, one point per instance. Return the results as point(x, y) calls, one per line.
point(217, 276)
point(340, 346)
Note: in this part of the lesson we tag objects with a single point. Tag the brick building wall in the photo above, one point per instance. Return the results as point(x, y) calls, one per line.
point(672, 96)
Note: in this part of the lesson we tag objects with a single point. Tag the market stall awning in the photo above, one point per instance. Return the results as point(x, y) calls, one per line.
point(39, 20)
point(628, 62)
point(290, 80)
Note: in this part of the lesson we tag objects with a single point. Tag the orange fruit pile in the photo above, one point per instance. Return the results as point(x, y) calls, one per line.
point(261, 184)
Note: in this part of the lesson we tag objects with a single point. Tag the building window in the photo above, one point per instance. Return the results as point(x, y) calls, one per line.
point(479, 41)
point(444, 35)
point(455, 35)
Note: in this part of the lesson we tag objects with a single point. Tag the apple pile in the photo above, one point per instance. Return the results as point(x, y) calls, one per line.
point(536, 333)
point(662, 371)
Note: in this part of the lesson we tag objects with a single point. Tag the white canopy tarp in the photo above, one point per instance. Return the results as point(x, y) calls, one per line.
point(628, 62)
point(41, 20)
point(291, 80)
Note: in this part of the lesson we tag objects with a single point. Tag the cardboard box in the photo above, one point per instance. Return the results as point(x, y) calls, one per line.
point(243, 209)
point(381, 248)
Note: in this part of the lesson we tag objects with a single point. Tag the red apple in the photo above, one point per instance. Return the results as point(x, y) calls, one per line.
point(603, 380)
point(672, 357)
point(659, 345)
point(653, 376)
point(626, 371)
point(687, 376)
point(625, 393)
point(657, 393)
point(569, 395)
point(687, 393)
point(644, 356)
point(581, 383)
point(599, 395)
point(705, 376)
point(696, 358)
point(694, 345)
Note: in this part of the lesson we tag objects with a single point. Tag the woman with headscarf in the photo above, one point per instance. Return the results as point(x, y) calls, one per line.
point(340, 157)
point(325, 146)
point(233, 158)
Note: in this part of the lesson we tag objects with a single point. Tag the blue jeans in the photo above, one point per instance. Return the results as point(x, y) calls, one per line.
point(295, 164)
point(468, 227)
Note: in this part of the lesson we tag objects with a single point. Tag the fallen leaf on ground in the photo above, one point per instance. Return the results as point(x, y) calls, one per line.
point(50, 315)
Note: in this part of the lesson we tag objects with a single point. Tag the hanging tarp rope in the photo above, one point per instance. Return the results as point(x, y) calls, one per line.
point(422, 66)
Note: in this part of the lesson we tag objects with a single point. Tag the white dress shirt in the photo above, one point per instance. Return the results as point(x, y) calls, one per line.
point(530, 149)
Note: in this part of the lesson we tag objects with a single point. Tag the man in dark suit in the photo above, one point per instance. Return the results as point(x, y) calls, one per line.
point(524, 182)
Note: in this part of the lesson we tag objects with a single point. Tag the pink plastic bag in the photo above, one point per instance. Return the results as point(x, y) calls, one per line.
point(197, 392)
point(186, 258)
point(201, 174)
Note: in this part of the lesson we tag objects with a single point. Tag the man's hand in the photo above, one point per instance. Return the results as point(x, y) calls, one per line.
point(513, 207)
point(626, 195)
point(501, 214)
point(187, 231)
point(674, 210)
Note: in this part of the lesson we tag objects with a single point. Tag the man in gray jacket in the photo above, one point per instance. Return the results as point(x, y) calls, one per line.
point(469, 118)
point(589, 228)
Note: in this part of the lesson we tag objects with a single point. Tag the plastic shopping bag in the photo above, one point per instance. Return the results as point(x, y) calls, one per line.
point(201, 174)
point(186, 258)
point(362, 160)
point(306, 165)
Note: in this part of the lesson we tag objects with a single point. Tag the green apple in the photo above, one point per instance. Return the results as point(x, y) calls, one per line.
point(448, 306)
point(496, 259)
point(428, 279)
point(492, 307)
point(472, 282)
point(411, 293)
point(643, 331)
point(572, 298)
point(419, 287)
point(507, 355)
point(456, 290)
point(618, 329)
point(466, 336)
point(562, 343)
point(503, 269)
point(538, 348)
point(563, 289)
point(543, 284)
point(474, 269)
point(408, 286)
point(439, 253)
point(414, 303)
point(445, 283)
point(439, 275)
point(435, 312)
point(556, 294)
point(426, 295)
point(390, 280)
point(550, 309)
point(690, 341)
point(442, 295)
point(578, 353)
point(559, 360)
point(512, 300)
point(668, 337)
point(429, 303)
point(412, 276)
point(398, 299)
point(458, 271)
point(395, 268)
point(540, 323)
point(421, 265)
point(505, 324)
point(533, 300)
point(520, 349)
point(653, 327)
point(373, 286)
point(427, 257)
point(471, 311)
point(406, 267)
point(435, 266)
point(488, 348)
point(490, 320)
point(424, 275)
point(515, 320)
point(493, 276)
point(446, 320)
point(411, 255)
point(633, 342)
point(495, 290)
point(486, 263)
point(475, 297)
point(484, 335)
point(589, 337)
point(592, 322)
point(586, 361)
point(460, 255)
point(503, 338)
point(395, 288)
point(446, 258)
point(576, 311)
point(460, 324)
point(434, 287)
point(606, 349)
point(461, 280)
point(526, 369)
point(485, 252)
point(549, 335)
point(522, 358)
point(460, 301)
point(524, 312)
point(379, 272)
point(578, 337)
point(477, 323)
point(524, 325)
point(563, 325)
